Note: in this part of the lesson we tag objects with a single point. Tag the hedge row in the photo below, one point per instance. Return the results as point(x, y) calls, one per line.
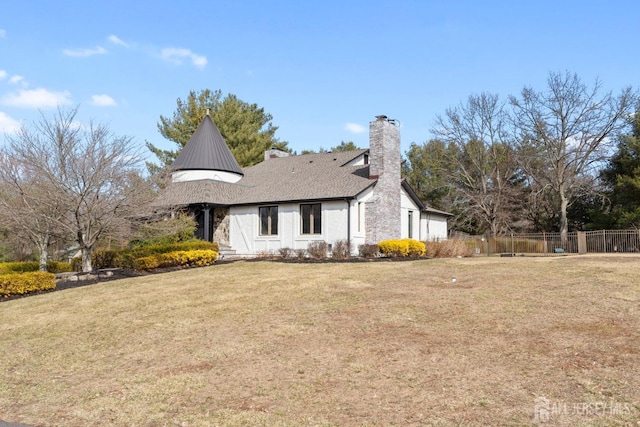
point(125, 258)
point(402, 248)
point(23, 283)
point(192, 258)
point(30, 266)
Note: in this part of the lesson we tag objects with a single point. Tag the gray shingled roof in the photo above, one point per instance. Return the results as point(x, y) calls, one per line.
point(201, 191)
point(305, 177)
point(283, 179)
point(206, 150)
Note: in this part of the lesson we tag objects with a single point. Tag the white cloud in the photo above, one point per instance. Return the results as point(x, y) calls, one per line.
point(117, 40)
point(8, 124)
point(176, 55)
point(83, 53)
point(103, 101)
point(3, 33)
point(354, 128)
point(36, 98)
point(14, 80)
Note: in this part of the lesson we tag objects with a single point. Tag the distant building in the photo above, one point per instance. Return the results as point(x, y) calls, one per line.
point(290, 201)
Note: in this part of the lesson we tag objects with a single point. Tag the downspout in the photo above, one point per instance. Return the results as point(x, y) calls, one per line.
point(348, 220)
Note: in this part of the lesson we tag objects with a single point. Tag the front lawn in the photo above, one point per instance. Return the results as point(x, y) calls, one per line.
point(381, 343)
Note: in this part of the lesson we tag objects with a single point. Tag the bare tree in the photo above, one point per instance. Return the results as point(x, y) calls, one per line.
point(565, 133)
point(26, 208)
point(87, 170)
point(480, 159)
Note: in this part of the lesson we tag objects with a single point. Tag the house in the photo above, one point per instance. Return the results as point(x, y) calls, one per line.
point(292, 200)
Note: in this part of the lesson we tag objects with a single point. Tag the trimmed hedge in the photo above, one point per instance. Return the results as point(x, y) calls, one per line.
point(402, 248)
point(24, 283)
point(194, 258)
point(31, 266)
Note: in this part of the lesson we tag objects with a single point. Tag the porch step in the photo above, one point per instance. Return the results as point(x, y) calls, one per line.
point(226, 252)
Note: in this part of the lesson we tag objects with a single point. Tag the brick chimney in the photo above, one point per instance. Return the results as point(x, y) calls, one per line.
point(384, 212)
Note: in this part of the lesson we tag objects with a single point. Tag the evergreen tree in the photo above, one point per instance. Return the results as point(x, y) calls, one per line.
point(621, 178)
point(427, 170)
point(344, 146)
point(246, 128)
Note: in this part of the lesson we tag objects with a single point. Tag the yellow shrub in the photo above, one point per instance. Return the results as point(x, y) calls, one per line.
point(200, 257)
point(394, 248)
point(402, 248)
point(146, 263)
point(416, 248)
point(203, 257)
point(24, 283)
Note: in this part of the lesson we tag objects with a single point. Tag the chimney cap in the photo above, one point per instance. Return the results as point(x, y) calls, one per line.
point(381, 117)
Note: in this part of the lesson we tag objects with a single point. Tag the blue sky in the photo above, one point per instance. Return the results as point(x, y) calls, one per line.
point(323, 69)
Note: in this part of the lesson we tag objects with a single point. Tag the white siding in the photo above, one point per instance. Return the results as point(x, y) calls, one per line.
point(361, 160)
point(433, 227)
point(195, 175)
point(245, 226)
point(407, 205)
point(359, 224)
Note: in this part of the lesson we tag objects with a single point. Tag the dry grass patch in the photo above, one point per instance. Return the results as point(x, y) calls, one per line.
point(384, 343)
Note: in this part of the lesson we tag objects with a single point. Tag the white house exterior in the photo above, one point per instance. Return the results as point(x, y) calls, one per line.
point(289, 201)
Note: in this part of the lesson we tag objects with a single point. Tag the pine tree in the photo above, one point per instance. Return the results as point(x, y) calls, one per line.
point(622, 179)
point(246, 128)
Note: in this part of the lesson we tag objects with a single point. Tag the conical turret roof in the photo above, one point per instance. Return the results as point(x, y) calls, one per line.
point(206, 150)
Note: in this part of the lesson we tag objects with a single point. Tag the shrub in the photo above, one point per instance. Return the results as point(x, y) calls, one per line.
point(416, 248)
point(341, 249)
point(265, 254)
point(393, 248)
point(18, 267)
point(23, 283)
point(301, 253)
point(30, 266)
point(448, 249)
point(76, 264)
point(165, 231)
point(317, 249)
point(286, 253)
point(106, 259)
point(402, 248)
point(146, 263)
point(193, 258)
point(125, 258)
point(368, 250)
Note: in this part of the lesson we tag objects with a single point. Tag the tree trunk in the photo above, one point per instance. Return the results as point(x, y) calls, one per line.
point(564, 222)
point(43, 258)
point(42, 243)
point(86, 260)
